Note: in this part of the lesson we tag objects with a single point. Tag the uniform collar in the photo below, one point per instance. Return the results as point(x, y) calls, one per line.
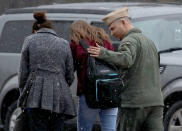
point(133, 30)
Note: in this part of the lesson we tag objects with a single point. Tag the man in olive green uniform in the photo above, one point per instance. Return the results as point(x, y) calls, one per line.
point(142, 103)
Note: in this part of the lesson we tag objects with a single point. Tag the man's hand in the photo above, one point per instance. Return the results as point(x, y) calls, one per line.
point(94, 51)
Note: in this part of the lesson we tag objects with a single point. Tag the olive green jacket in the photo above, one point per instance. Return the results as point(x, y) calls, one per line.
point(137, 60)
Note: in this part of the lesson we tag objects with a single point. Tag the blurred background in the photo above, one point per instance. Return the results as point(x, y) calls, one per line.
point(7, 4)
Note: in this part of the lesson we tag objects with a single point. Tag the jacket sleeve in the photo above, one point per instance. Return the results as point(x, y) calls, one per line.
point(24, 65)
point(69, 68)
point(73, 50)
point(124, 58)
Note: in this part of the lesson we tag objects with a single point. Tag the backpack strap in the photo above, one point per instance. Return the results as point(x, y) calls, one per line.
point(84, 45)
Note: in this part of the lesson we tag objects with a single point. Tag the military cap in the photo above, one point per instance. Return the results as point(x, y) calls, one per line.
point(119, 13)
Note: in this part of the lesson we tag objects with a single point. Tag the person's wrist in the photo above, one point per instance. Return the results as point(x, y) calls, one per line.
point(102, 52)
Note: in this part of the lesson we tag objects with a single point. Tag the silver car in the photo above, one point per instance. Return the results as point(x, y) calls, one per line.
point(160, 22)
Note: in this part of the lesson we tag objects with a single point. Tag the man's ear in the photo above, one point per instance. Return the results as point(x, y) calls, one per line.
point(123, 21)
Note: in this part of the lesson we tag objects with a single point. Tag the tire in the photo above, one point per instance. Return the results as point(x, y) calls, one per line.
point(173, 118)
point(11, 116)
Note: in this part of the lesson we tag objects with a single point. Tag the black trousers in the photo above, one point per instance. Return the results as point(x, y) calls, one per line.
point(43, 120)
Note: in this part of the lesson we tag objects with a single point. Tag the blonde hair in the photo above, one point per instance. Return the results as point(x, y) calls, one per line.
point(81, 30)
point(100, 35)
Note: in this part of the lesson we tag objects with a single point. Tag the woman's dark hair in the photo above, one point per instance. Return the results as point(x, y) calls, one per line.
point(41, 21)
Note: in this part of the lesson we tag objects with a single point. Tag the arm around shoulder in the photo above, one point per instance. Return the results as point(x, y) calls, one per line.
point(124, 58)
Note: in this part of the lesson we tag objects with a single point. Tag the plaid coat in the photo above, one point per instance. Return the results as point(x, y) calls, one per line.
point(47, 67)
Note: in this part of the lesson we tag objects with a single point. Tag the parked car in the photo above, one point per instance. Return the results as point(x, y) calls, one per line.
point(160, 22)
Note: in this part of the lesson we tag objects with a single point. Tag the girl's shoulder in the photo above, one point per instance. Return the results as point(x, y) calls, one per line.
point(108, 45)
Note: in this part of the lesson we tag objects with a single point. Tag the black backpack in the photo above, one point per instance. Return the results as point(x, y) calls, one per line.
point(103, 83)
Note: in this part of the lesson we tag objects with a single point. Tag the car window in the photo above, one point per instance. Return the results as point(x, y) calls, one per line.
point(165, 31)
point(115, 42)
point(13, 35)
point(62, 28)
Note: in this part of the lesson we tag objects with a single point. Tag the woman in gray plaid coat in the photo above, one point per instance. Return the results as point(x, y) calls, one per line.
point(47, 68)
